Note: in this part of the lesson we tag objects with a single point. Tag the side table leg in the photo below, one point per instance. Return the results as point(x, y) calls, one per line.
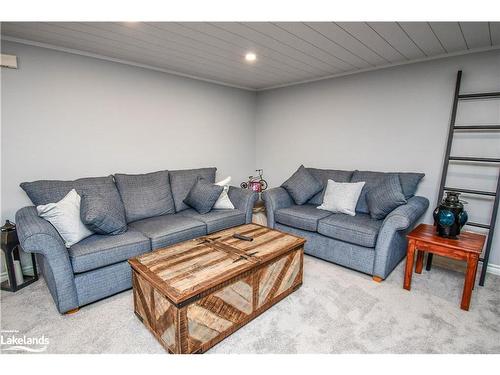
point(429, 262)
point(469, 282)
point(420, 261)
point(409, 264)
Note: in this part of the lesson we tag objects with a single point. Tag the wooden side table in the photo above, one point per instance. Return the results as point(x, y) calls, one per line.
point(467, 248)
point(259, 213)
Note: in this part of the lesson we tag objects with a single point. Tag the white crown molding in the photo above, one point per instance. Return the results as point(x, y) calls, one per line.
point(443, 56)
point(120, 61)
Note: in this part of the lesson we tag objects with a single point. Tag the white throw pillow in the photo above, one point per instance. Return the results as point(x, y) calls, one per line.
point(65, 217)
point(342, 197)
point(224, 203)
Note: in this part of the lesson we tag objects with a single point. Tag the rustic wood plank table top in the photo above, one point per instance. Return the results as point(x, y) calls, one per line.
point(467, 247)
point(193, 294)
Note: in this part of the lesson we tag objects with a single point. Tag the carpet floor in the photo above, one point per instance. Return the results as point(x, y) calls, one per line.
point(337, 310)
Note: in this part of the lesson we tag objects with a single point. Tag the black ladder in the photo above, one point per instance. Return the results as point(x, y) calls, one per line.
point(447, 158)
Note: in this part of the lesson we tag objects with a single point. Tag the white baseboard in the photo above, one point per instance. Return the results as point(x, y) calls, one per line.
point(26, 270)
point(494, 269)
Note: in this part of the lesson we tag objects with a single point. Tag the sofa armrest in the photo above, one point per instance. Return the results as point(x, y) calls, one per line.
point(244, 200)
point(391, 241)
point(37, 235)
point(275, 199)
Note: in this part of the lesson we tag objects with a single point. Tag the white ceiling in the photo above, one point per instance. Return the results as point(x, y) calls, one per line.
point(287, 52)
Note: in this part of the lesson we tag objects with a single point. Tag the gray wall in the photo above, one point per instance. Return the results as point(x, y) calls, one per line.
point(66, 116)
point(389, 120)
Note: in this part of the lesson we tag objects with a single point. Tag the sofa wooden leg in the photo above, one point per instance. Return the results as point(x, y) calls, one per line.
point(72, 311)
point(377, 279)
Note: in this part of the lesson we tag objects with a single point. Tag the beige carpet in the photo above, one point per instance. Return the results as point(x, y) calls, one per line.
point(337, 310)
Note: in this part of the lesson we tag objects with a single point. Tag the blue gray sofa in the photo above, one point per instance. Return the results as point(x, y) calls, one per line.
point(359, 242)
point(97, 267)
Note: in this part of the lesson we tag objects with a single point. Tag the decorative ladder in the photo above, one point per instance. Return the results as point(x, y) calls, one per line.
point(482, 161)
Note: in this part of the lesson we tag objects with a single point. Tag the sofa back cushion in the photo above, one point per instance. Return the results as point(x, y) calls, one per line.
point(409, 182)
point(145, 195)
point(51, 191)
point(181, 182)
point(323, 175)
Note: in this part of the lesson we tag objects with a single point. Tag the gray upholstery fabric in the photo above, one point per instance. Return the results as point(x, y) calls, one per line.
point(145, 195)
point(409, 182)
point(181, 181)
point(203, 195)
point(323, 175)
point(391, 242)
point(361, 229)
point(301, 216)
point(98, 251)
point(356, 257)
point(216, 220)
point(244, 200)
point(274, 200)
point(103, 282)
point(302, 185)
point(37, 235)
point(51, 191)
point(103, 216)
point(385, 197)
point(371, 180)
point(169, 229)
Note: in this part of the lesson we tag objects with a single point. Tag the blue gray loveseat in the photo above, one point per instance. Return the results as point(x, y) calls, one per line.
point(359, 242)
point(97, 267)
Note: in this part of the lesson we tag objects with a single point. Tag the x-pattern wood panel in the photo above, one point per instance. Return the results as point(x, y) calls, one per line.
point(288, 52)
point(194, 294)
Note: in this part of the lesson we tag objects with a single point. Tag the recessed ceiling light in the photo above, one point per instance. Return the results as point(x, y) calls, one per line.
point(250, 57)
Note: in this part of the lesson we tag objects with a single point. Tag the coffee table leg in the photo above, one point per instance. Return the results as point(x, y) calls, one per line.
point(469, 282)
point(409, 264)
point(420, 261)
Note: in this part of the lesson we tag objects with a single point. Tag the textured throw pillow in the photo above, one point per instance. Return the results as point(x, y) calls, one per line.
point(341, 197)
point(145, 195)
point(203, 195)
point(385, 197)
point(302, 186)
point(102, 216)
point(65, 217)
point(223, 202)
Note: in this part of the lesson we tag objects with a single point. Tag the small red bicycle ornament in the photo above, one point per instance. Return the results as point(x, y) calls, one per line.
point(255, 183)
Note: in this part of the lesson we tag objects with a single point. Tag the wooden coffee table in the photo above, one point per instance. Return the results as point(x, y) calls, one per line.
point(194, 294)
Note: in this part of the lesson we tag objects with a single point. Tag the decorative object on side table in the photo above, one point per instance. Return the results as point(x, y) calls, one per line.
point(255, 183)
point(11, 248)
point(450, 216)
point(468, 247)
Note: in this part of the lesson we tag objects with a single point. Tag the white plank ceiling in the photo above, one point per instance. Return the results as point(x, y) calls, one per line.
point(287, 52)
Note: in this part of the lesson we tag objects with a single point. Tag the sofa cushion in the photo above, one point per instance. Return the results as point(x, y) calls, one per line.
point(323, 175)
point(181, 181)
point(341, 197)
point(360, 229)
point(409, 182)
point(51, 191)
point(385, 197)
point(302, 185)
point(303, 217)
point(167, 230)
point(145, 195)
point(101, 215)
point(203, 195)
point(217, 219)
point(98, 251)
